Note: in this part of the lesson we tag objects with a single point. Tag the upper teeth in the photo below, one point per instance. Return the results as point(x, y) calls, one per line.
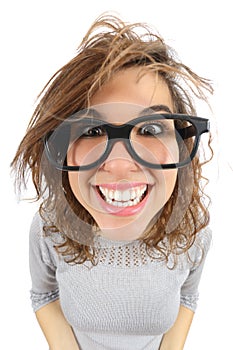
point(127, 197)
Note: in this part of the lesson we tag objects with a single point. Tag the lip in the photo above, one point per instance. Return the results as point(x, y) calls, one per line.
point(122, 185)
point(118, 211)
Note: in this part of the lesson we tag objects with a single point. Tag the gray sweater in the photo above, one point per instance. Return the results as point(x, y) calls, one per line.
point(128, 301)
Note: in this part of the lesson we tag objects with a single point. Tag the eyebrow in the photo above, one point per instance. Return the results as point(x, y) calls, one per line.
point(156, 108)
point(93, 113)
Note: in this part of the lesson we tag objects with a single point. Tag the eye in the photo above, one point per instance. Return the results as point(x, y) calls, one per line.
point(151, 129)
point(91, 131)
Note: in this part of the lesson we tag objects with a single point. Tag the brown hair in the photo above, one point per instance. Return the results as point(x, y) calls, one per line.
point(109, 46)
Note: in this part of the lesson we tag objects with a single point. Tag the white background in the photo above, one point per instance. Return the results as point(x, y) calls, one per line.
point(37, 38)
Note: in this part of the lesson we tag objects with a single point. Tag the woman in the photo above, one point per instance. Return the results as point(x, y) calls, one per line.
point(118, 245)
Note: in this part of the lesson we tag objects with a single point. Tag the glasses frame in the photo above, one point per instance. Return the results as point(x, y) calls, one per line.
point(121, 133)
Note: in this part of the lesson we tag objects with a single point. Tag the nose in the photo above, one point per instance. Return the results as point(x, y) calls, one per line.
point(119, 160)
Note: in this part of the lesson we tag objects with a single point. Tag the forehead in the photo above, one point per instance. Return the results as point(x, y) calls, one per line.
point(129, 93)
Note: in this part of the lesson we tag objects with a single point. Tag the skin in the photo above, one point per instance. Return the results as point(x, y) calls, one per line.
point(56, 329)
point(175, 338)
point(130, 95)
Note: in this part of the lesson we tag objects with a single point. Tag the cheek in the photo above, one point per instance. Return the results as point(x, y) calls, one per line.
point(79, 184)
point(166, 182)
point(85, 151)
point(81, 188)
point(170, 181)
point(73, 181)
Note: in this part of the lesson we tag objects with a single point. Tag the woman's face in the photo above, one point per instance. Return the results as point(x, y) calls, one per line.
point(122, 195)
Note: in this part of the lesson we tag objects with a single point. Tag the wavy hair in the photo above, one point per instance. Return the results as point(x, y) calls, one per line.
point(109, 46)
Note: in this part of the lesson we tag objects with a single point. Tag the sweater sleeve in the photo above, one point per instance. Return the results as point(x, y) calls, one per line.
point(198, 253)
point(42, 267)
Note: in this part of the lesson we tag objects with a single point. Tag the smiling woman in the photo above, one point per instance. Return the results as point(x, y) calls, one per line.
point(120, 168)
point(118, 246)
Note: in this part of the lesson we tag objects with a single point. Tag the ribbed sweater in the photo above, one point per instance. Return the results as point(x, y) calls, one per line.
point(127, 301)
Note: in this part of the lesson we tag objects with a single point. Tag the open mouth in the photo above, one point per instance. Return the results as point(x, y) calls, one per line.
point(123, 198)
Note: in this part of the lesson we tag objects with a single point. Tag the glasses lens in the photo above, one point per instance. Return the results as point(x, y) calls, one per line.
point(88, 142)
point(163, 141)
point(78, 143)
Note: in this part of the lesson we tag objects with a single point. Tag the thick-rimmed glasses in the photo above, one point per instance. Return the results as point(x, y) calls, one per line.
point(157, 141)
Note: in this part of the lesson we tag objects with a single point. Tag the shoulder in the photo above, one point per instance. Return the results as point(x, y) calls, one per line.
point(203, 239)
point(37, 220)
point(42, 227)
point(36, 228)
point(199, 250)
point(40, 243)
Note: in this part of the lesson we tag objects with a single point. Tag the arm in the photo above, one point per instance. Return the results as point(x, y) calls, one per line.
point(45, 291)
point(56, 329)
point(175, 338)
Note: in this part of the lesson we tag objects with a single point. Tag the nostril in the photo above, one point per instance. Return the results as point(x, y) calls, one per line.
point(120, 164)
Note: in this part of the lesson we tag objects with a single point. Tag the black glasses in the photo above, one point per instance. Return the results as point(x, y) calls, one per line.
point(158, 141)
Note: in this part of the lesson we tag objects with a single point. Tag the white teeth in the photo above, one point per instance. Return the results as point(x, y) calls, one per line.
point(124, 198)
point(117, 196)
point(133, 194)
